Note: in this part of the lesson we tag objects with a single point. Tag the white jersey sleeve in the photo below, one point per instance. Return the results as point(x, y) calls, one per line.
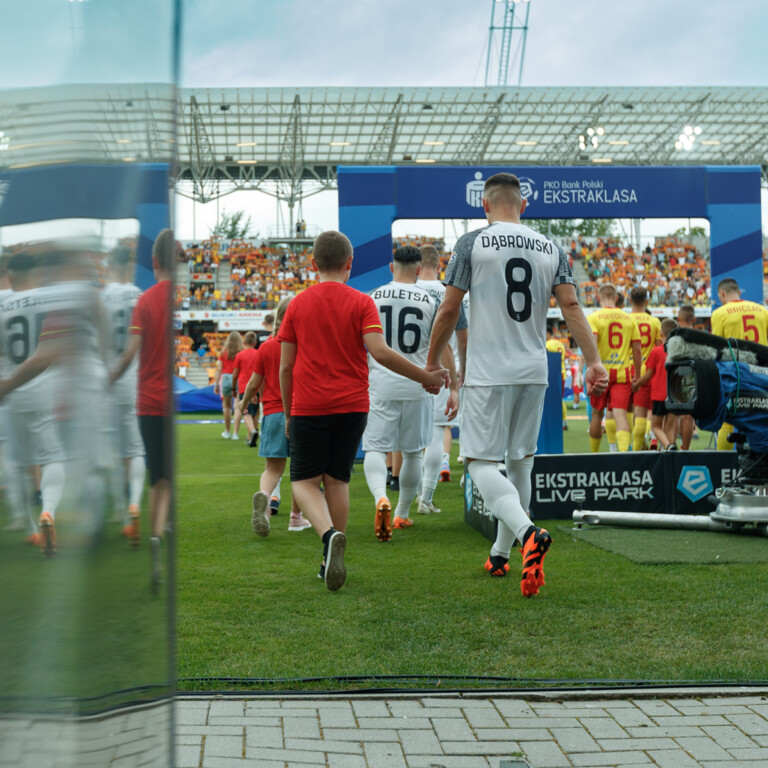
point(509, 271)
point(407, 312)
point(119, 300)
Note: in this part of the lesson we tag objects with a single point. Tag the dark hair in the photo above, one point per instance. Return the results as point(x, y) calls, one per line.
point(503, 188)
point(120, 256)
point(729, 285)
point(21, 261)
point(638, 295)
point(407, 255)
point(250, 339)
point(687, 312)
point(164, 250)
point(331, 251)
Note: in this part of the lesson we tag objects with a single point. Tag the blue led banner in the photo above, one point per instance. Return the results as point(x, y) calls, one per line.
point(371, 198)
point(138, 191)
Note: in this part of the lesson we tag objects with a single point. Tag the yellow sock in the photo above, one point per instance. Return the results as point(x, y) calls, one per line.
point(631, 420)
point(594, 444)
point(610, 431)
point(622, 439)
point(722, 438)
point(565, 412)
point(638, 433)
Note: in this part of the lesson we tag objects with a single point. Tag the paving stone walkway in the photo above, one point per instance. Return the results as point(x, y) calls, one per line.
point(673, 730)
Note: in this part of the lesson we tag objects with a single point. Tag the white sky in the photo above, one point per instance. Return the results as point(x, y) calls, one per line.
point(444, 42)
point(242, 43)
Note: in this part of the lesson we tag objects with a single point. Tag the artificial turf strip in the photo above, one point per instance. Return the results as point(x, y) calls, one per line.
point(648, 546)
point(422, 604)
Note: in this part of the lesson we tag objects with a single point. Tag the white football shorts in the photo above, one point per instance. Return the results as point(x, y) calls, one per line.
point(500, 421)
point(398, 425)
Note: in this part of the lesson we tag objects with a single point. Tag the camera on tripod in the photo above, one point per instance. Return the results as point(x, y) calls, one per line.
point(719, 381)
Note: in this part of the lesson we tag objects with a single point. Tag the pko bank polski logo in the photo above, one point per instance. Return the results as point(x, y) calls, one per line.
point(474, 190)
point(695, 483)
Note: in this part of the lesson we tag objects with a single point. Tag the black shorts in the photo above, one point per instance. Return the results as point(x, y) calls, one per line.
point(252, 408)
point(659, 408)
point(325, 445)
point(157, 434)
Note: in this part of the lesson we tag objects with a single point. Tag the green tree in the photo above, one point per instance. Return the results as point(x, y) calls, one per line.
point(232, 226)
point(596, 228)
point(555, 227)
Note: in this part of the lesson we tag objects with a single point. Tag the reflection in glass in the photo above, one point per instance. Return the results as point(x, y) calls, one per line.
point(86, 144)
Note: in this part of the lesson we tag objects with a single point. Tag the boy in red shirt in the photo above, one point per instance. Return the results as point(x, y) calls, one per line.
point(274, 448)
point(663, 424)
point(326, 336)
point(241, 374)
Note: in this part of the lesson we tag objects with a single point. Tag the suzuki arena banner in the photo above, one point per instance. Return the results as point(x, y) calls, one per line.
point(371, 198)
point(644, 482)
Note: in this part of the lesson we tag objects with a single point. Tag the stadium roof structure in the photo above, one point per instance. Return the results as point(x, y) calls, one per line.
point(288, 142)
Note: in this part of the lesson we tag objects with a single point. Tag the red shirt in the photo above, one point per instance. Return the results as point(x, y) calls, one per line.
point(656, 361)
point(151, 320)
point(267, 364)
point(244, 363)
point(327, 323)
point(227, 364)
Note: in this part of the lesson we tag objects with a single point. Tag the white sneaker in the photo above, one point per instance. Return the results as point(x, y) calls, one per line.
point(235, 436)
point(226, 435)
point(427, 508)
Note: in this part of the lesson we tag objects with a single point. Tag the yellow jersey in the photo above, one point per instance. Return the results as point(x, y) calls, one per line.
point(615, 330)
point(649, 328)
point(741, 319)
point(555, 345)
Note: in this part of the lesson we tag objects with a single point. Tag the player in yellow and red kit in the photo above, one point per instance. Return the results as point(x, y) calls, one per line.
point(618, 343)
point(649, 328)
point(737, 319)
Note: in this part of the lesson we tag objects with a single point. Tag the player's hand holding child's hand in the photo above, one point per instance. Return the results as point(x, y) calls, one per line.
point(439, 378)
point(596, 379)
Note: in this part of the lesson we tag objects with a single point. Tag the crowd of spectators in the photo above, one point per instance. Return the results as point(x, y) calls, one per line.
point(673, 271)
point(259, 275)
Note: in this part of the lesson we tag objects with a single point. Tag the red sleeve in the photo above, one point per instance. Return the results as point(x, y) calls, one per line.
point(257, 365)
point(287, 332)
point(137, 318)
point(223, 355)
point(57, 325)
point(369, 316)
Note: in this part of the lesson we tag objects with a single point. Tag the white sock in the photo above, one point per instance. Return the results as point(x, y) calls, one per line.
point(375, 469)
point(432, 458)
point(51, 486)
point(500, 496)
point(137, 470)
point(117, 482)
point(519, 474)
point(410, 473)
point(276, 490)
point(446, 458)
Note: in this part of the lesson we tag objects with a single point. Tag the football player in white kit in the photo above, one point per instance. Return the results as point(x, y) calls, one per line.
point(31, 426)
point(510, 272)
point(119, 297)
point(400, 417)
point(435, 457)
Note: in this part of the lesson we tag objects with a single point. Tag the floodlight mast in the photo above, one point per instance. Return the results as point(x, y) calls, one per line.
point(506, 29)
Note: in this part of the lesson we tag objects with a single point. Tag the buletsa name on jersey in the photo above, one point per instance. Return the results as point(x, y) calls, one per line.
point(401, 293)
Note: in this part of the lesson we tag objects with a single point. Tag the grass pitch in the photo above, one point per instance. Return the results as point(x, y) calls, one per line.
point(422, 605)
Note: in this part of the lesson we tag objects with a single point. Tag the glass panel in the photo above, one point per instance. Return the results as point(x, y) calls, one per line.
point(87, 136)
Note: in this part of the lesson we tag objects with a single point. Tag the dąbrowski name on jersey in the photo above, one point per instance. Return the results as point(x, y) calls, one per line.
point(517, 241)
